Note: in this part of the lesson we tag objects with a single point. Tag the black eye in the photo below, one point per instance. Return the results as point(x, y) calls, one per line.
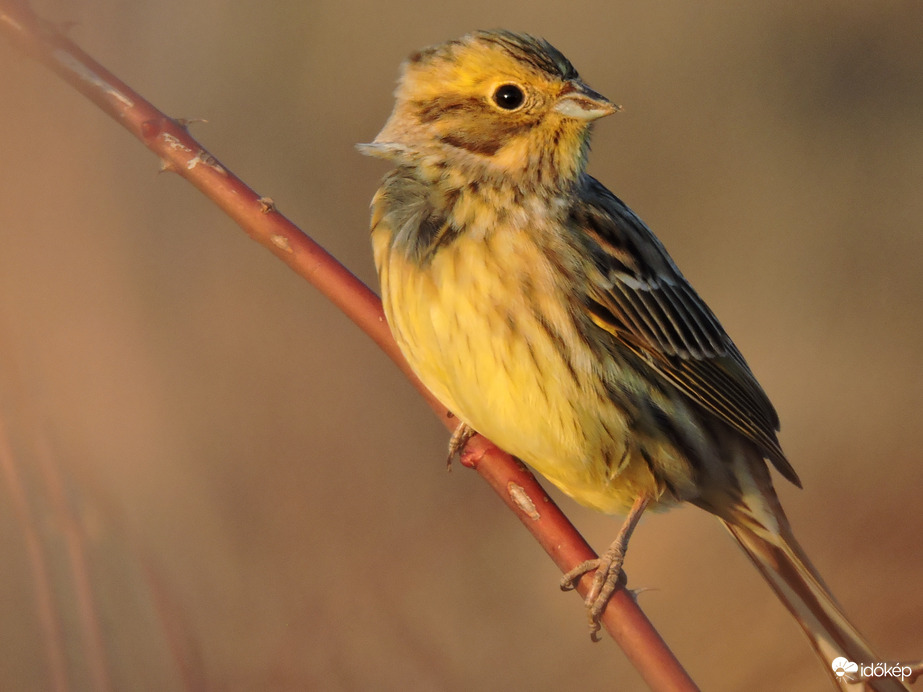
point(509, 97)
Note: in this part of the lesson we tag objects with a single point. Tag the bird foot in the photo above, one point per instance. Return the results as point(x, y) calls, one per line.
point(607, 578)
point(457, 442)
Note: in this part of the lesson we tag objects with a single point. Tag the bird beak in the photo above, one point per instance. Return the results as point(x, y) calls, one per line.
point(580, 102)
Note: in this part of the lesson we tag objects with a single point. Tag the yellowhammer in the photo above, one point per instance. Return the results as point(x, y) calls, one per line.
point(542, 312)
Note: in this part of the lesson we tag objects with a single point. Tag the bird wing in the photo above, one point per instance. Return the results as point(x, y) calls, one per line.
point(640, 297)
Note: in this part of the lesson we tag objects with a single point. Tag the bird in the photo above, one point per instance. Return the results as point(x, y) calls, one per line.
point(545, 315)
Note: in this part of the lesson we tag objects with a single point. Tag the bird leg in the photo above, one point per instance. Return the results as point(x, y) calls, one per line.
point(457, 442)
point(608, 569)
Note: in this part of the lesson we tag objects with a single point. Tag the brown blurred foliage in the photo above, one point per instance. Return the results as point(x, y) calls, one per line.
point(254, 498)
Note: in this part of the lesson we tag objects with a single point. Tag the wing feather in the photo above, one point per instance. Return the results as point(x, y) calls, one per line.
point(640, 297)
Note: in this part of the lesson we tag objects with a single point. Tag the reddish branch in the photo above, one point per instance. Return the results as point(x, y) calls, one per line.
point(180, 153)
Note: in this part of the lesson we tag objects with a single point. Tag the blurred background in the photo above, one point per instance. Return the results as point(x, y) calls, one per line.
point(210, 479)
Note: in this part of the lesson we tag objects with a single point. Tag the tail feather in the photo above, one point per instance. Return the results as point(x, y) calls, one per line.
point(784, 565)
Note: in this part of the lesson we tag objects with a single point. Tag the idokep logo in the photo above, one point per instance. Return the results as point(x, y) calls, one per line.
point(853, 672)
point(841, 666)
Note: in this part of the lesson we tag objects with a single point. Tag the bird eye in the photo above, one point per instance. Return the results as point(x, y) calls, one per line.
point(509, 97)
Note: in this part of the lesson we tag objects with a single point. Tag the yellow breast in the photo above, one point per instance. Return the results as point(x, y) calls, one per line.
point(485, 325)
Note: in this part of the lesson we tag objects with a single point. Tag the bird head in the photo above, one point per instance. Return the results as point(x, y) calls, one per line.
point(496, 104)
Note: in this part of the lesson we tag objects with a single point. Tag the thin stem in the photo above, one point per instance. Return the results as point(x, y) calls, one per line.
point(84, 598)
point(49, 616)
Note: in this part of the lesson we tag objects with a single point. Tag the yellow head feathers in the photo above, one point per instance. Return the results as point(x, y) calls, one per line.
point(494, 101)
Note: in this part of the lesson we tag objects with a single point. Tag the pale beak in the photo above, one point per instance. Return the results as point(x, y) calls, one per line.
point(580, 102)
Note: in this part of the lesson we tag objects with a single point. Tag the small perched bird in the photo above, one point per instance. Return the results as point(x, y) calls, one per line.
point(543, 313)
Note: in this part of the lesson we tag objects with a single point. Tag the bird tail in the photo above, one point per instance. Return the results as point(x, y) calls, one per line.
point(784, 565)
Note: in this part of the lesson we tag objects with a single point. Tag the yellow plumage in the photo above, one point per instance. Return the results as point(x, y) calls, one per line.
point(472, 352)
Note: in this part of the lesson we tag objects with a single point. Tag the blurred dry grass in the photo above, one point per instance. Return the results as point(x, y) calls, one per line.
point(254, 484)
